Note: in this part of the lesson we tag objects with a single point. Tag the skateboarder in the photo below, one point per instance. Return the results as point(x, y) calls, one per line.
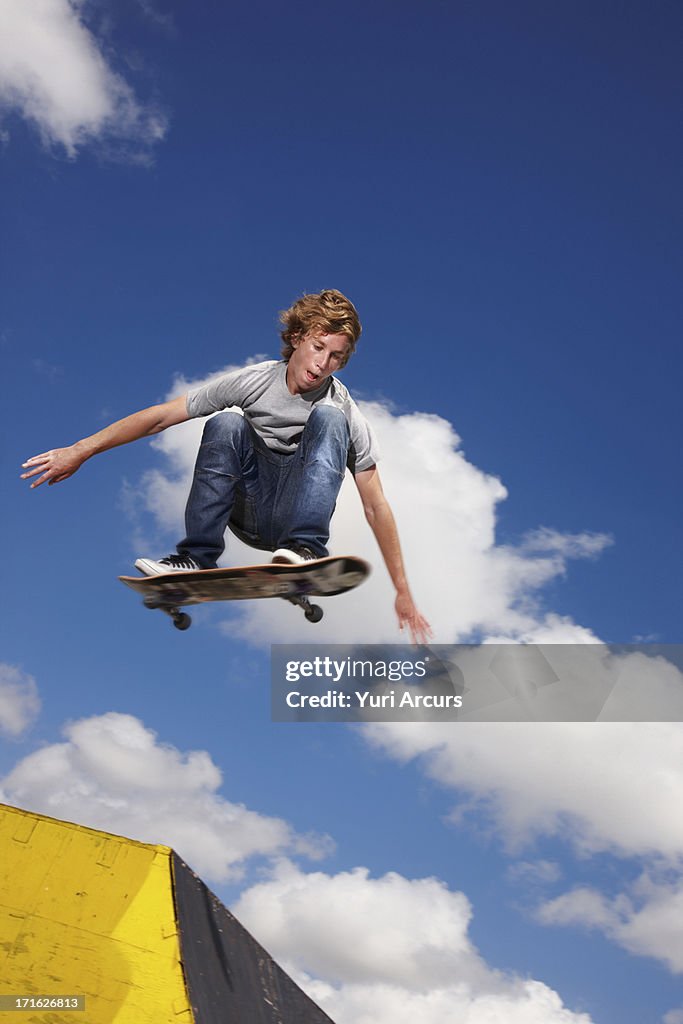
point(272, 472)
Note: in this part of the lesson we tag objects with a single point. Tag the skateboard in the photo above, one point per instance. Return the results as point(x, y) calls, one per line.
point(323, 577)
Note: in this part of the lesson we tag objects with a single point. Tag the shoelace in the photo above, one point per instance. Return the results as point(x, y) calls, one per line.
point(178, 561)
point(305, 552)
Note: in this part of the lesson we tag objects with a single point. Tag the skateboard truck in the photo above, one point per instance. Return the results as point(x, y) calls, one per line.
point(181, 620)
point(312, 612)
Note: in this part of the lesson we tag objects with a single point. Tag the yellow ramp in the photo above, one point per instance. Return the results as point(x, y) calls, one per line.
point(83, 913)
point(131, 930)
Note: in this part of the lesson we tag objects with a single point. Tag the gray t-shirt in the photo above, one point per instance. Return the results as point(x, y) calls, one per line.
point(277, 415)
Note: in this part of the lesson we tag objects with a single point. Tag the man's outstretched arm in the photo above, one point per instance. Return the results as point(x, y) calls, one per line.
point(381, 519)
point(61, 463)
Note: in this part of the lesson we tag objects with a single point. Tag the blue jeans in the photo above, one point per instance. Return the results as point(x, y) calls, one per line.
point(268, 499)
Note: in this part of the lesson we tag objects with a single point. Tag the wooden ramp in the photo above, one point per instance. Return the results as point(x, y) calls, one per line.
point(131, 930)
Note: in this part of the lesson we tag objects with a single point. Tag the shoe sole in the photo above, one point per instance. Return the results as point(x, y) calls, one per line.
point(284, 557)
point(151, 568)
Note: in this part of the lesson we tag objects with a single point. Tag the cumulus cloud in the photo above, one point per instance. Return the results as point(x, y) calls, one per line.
point(526, 1002)
point(582, 905)
point(53, 74)
point(112, 773)
point(606, 788)
point(389, 950)
point(645, 919)
point(443, 503)
point(19, 700)
point(351, 928)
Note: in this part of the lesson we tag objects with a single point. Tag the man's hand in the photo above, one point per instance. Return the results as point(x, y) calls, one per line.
point(55, 466)
point(408, 615)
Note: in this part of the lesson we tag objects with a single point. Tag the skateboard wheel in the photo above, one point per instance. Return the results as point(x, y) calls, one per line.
point(314, 613)
point(182, 621)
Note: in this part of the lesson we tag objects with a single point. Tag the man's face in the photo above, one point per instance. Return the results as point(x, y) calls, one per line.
point(316, 356)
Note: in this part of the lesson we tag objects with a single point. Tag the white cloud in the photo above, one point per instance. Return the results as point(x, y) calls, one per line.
point(112, 773)
point(534, 873)
point(19, 700)
point(580, 545)
point(351, 928)
point(389, 950)
point(464, 582)
point(526, 1002)
point(645, 920)
point(581, 905)
point(604, 787)
point(53, 74)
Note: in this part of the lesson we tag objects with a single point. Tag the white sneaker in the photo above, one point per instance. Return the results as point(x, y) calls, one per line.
point(294, 555)
point(173, 563)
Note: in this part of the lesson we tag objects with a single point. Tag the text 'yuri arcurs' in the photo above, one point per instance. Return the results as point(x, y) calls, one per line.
point(367, 700)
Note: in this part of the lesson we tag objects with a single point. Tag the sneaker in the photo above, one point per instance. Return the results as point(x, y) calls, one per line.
point(173, 563)
point(295, 554)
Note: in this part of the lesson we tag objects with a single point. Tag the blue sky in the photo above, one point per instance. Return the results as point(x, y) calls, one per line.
point(497, 188)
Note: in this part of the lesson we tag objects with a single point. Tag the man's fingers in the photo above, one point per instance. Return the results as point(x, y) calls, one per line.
point(419, 628)
point(39, 469)
point(42, 468)
point(33, 472)
point(54, 466)
point(35, 459)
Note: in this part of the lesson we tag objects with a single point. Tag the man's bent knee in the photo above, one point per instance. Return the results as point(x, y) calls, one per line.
point(224, 427)
point(327, 419)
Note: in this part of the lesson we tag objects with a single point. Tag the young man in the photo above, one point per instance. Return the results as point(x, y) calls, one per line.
point(272, 473)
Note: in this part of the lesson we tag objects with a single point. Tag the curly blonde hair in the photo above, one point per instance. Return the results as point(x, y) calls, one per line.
point(328, 311)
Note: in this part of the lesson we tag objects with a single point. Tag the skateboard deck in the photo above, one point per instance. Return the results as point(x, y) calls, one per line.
point(323, 577)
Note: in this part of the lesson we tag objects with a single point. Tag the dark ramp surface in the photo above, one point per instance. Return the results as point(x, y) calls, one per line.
point(230, 978)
